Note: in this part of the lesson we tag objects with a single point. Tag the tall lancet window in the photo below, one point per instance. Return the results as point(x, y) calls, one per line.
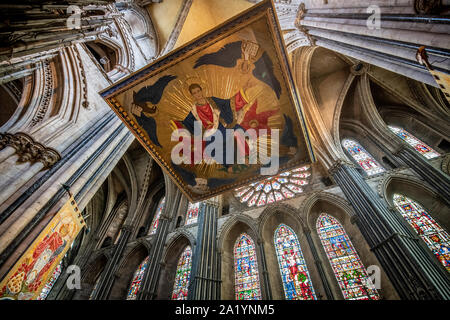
point(350, 273)
point(246, 269)
point(51, 282)
point(418, 145)
point(137, 279)
point(362, 157)
point(435, 237)
point(294, 273)
point(180, 287)
point(155, 221)
point(192, 213)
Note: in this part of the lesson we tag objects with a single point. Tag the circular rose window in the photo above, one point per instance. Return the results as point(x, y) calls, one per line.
point(284, 186)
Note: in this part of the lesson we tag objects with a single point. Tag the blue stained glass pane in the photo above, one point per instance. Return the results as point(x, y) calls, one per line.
point(268, 188)
point(364, 159)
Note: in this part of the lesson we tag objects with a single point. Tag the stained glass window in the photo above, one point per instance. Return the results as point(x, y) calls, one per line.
point(95, 286)
point(137, 279)
point(294, 273)
point(192, 213)
point(284, 186)
point(436, 238)
point(51, 282)
point(364, 159)
point(246, 269)
point(155, 221)
point(180, 287)
point(418, 145)
point(347, 267)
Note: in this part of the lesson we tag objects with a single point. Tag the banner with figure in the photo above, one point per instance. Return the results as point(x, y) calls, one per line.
point(32, 271)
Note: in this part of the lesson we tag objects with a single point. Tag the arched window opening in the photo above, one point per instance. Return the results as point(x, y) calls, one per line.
point(155, 221)
point(417, 144)
point(294, 272)
point(246, 269)
point(192, 213)
point(350, 272)
point(435, 237)
point(362, 157)
point(137, 279)
point(284, 186)
point(181, 284)
point(10, 95)
point(51, 282)
point(104, 55)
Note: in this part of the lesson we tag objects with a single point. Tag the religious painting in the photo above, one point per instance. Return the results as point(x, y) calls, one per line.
point(30, 274)
point(220, 112)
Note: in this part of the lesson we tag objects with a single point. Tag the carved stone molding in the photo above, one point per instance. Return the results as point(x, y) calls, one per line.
point(29, 150)
point(445, 165)
point(339, 163)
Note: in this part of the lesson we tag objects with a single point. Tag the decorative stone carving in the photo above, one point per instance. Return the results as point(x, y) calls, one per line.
point(28, 150)
point(46, 95)
point(427, 6)
point(337, 164)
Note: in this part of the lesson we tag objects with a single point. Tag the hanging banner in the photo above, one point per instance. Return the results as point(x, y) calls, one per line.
point(30, 274)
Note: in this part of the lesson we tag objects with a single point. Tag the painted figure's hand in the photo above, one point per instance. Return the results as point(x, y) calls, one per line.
point(136, 110)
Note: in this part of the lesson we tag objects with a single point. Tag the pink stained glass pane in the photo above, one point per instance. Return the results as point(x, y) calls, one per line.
point(242, 191)
point(246, 269)
point(270, 198)
point(301, 175)
point(294, 188)
point(247, 196)
point(417, 144)
point(183, 274)
point(192, 213)
point(350, 273)
point(283, 180)
point(51, 282)
point(301, 169)
point(294, 272)
point(155, 222)
point(299, 182)
point(253, 200)
point(435, 237)
point(287, 193)
point(137, 279)
point(262, 200)
point(362, 157)
point(278, 196)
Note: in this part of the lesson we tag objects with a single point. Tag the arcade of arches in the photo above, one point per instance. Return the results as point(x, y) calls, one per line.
point(376, 201)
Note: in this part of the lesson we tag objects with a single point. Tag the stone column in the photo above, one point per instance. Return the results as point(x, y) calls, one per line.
point(150, 279)
point(264, 272)
point(425, 170)
point(205, 278)
point(107, 278)
point(412, 268)
point(319, 266)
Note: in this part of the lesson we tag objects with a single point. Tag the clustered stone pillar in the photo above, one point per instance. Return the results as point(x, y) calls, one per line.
point(107, 278)
point(413, 270)
point(149, 284)
point(205, 277)
point(425, 170)
point(380, 33)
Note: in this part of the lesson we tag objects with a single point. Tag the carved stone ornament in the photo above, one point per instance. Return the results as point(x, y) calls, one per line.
point(445, 166)
point(427, 6)
point(29, 150)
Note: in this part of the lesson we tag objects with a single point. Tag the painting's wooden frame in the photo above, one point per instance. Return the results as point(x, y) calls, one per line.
point(263, 9)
